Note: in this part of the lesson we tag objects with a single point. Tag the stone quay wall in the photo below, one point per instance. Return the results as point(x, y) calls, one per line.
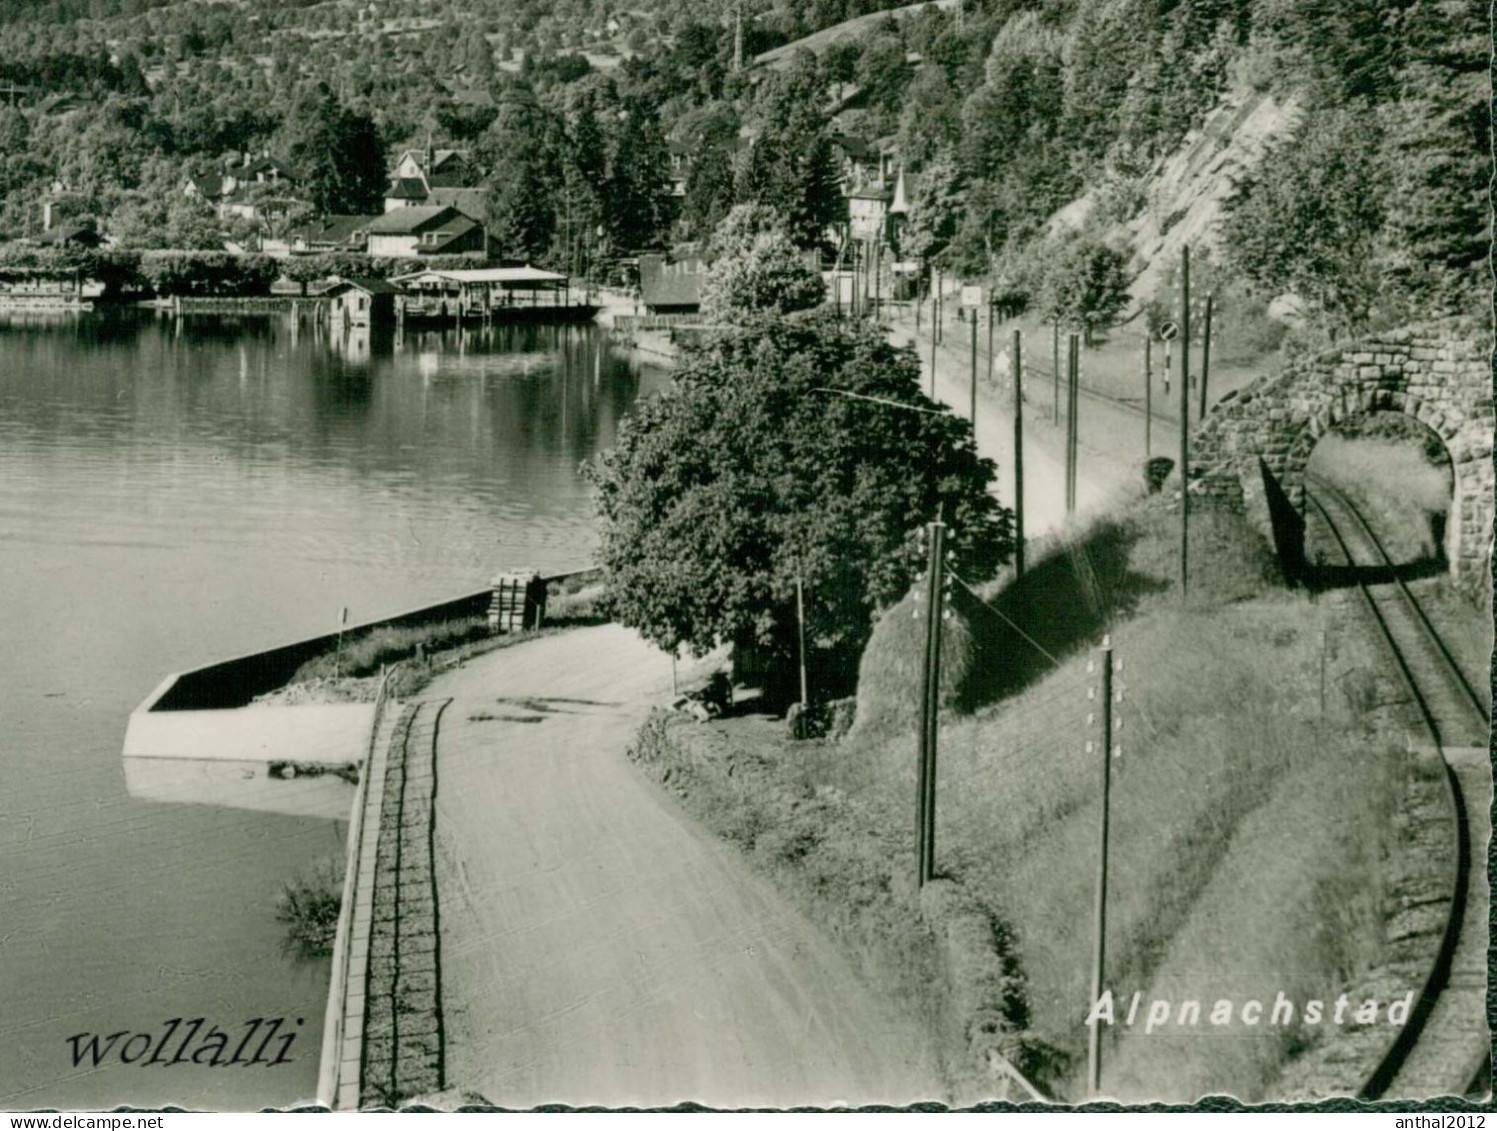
point(404, 1054)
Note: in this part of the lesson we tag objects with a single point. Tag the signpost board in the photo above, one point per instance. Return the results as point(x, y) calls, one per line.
point(971, 297)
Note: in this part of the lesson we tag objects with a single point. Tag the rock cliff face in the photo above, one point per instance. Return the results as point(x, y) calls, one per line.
point(1186, 190)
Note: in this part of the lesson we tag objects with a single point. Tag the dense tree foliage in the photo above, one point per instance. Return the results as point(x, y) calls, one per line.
point(1085, 286)
point(789, 164)
point(1307, 222)
point(335, 154)
point(747, 474)
point(520, 149)
point(1019, 106)
point(757, 269)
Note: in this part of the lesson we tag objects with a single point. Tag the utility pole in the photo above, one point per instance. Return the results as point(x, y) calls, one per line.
point(1099, 941)
point(1017, 369)
point(925, 811)
point(992, 360)
point(1073, 364)
point(1206, 353)
point(338, 656)
point(973, 313)
point(800, 625)
point(1055, 368)
point(936, 318)
point(933, 351)
point(1184, 418)
point(852, 278)
point(1148, 395)
point(1322, 672)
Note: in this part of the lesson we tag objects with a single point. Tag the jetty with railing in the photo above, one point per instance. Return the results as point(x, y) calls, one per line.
point(35, 289)
point(490, 294)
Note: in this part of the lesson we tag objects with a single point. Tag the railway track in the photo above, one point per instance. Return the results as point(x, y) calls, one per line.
point(1444, 1049)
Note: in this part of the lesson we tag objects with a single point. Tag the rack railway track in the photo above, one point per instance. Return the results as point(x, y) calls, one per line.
point(1444, 1049)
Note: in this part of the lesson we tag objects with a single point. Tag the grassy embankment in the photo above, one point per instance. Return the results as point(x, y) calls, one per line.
point(1252, 831)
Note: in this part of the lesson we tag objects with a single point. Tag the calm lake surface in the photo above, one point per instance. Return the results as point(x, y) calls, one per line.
point(173, 492)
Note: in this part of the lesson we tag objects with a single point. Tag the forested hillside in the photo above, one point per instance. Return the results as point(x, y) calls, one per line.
point(1369, 206)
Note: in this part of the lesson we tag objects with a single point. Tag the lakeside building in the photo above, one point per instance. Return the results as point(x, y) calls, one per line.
point(72, 233)
point(422, 230)
point(490, 294)
point(40, 289)
point(362, 301)
point(258, 187)
point(333, 233)
point(671, 288)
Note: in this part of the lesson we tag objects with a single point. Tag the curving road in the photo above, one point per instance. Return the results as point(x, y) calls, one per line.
point(597, 946)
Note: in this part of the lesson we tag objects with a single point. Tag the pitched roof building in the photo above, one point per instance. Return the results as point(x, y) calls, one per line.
point(335, 233)
point(671, 288)
point(436, 177)
point(424, 230)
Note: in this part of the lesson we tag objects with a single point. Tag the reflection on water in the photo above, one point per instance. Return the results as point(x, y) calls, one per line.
point(174, 491)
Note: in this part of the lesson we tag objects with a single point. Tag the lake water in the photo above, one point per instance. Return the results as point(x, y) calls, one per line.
point(176, 491)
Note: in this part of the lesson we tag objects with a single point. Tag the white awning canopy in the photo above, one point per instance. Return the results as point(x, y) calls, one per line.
point(511, 277)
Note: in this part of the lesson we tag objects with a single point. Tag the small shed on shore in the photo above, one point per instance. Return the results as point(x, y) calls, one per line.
point(361, 301)
point(671, 288)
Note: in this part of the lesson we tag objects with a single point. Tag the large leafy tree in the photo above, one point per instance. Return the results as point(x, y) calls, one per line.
point(754, 471)
point(1437, 146)
point(769, 275)
point(711, 135)
point(935, 211)
point(1085, 285)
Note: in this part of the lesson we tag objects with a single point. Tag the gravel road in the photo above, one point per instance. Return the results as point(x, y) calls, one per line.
point(598, 947)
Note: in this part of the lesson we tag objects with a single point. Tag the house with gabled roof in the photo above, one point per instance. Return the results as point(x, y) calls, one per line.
point(71, 233)
point(256, 187)
point(448, 167)
point(334, 233)
point(436, 177)
point(208, 186)
point(405, 233)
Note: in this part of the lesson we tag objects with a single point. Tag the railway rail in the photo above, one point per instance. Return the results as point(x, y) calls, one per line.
point(1444, 1049)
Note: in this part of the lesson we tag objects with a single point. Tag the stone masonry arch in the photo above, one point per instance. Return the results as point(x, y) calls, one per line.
point(1251, 451)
